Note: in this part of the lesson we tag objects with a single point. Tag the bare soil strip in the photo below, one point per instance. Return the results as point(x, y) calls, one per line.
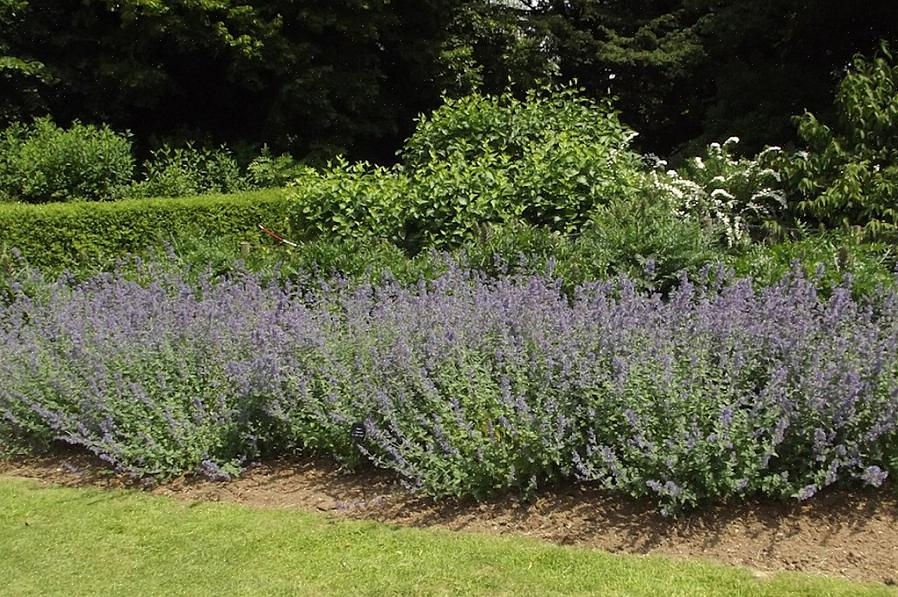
point(852, 535)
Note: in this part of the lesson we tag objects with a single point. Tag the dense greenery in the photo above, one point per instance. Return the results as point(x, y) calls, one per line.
point(697, 71)
point(549, 179)
point(96, 235)
point(549, 161)
point(315, 78)
point(42, 162)
point(522, 299)
point(849, 173)
point(321, 78)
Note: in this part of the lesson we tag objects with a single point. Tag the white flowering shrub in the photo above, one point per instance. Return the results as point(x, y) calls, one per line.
point(739, 196)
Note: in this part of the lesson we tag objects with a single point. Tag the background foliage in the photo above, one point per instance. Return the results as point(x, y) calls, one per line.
point(42, 162)
point(849, 174)
point(350, 75)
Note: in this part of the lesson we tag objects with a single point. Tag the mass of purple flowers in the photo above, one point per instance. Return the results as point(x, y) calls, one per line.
point(464, 385)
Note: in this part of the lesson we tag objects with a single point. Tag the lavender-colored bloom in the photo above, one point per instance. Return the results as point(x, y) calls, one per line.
point(726, 416)
point(807, 492)
point(875, 476)
point(463, 384)
point(211, 470)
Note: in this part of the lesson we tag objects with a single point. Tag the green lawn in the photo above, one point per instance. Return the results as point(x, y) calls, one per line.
point(56, 541)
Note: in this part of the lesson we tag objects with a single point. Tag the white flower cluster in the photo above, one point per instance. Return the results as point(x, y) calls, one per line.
point(732, 194)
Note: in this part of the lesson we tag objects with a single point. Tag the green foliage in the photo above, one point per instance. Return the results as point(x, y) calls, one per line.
point(235, 254)
point(689, 72)
point(352, 200)
point(269, 171)
point(644, 239)
point(849, 174)
point(493, 45)
point(350, 76)
point(548, 160)
point(95, 235)
point(741, 197)
point(643, 53)
point(22, 80)
point(452, 199)
point(478, 124)
point(828, 258)
point(308, 77)
point(42, 162)
point(188, 170)
point(647, 237)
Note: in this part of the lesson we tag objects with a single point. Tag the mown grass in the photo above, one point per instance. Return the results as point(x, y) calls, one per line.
point(56, 541)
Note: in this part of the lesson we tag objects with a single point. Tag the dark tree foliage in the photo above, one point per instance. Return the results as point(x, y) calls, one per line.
point(692, 71)
point(349, 76)
point(312, 77)
point(497, 45)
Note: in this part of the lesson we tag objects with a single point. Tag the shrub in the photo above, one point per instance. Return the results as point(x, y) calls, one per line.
point(548, 160)
point(353, 201)
point(451, 200)
point(644, 239)
point(96, 235)
point(742, 197)
point(476, 125)
point(268, 171)
point(555, 156)
point(466, 385)
point(849, 174)
point(647, 237)
point(826, 259)
point(186, 171)
point(42, 162)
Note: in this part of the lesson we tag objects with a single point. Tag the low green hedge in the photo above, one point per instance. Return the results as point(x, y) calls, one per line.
point(68, 235)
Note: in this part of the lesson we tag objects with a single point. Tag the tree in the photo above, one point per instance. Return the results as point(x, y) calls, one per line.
point(685, 72)
point(21, 80)
point(848, 174)
point(315, 78)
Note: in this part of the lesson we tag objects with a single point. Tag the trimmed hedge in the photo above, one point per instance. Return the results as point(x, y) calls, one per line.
point(65, 235)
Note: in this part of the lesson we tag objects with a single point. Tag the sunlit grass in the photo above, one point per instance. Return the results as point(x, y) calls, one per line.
point(56, 541)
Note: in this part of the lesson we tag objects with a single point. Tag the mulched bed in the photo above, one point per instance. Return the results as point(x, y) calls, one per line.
point(852, 535)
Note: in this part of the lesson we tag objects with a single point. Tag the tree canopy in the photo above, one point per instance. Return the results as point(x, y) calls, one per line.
point(350, 76)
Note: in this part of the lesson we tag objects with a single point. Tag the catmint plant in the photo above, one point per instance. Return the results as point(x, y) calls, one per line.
point(465, 385)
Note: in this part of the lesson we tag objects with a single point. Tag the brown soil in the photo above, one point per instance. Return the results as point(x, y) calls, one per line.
point(852, 535)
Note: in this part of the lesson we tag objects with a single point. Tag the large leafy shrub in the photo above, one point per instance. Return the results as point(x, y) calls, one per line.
point(548, 160)
point(478, 124)
point(42, 162)
point(560, 155)
point(465, 385)
point(353, 201)
point(454, 199)
point(849, 173)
